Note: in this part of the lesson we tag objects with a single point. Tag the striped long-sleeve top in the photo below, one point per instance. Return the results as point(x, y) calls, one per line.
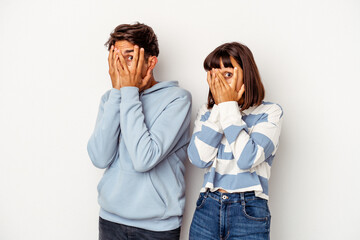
point(236, 147)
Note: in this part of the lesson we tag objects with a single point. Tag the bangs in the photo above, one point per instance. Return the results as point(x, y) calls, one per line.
point(213, 59)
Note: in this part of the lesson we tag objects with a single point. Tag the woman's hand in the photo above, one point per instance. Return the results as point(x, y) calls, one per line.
point(211, 82)
point(221, 90)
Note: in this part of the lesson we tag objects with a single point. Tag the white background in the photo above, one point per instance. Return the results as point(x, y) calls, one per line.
point(53, 71)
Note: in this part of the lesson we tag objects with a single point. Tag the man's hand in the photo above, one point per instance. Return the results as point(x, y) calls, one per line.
point(114, 73)
point(221, 90)
point(132, 76)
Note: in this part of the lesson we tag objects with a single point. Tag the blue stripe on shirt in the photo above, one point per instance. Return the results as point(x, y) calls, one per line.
point(264, 184)
point(205, 116)
point(263, 141)
point(228, 181)
point(210, 136)
point(247, 157)
point(193, 154)
point(224, 155)
point(232, 132)
point(253, 119)
point(270, 160)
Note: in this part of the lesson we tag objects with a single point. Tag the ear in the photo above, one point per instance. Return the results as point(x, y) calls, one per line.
point(152, 61)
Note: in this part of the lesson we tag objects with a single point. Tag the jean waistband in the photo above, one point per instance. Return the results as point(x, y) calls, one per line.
point(230, 197)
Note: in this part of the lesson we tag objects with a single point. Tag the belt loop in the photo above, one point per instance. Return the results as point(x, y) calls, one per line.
point(207, 193)
point(242, 196)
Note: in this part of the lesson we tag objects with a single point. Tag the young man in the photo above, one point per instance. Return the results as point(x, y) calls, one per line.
point(140, 137)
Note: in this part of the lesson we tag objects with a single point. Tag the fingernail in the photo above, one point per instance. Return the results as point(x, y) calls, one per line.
point(235, 68)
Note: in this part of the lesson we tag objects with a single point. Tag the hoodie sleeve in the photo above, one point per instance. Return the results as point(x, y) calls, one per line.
point(203, 147)
point(149, 146)
point(103, 144)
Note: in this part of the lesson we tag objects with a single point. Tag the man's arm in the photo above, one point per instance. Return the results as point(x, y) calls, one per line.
point(103, 143)
point(148, 146)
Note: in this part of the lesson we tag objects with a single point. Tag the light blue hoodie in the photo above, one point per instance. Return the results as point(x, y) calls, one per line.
point(141, 140)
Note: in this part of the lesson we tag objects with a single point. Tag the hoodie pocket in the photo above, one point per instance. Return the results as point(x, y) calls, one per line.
point(131, 195)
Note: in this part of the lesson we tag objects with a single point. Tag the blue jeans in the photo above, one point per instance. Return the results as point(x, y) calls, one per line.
point(115, 231)
point(241, 216)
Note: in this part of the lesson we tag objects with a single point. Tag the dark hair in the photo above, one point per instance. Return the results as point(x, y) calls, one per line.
point(137, 34)
point(254, 89)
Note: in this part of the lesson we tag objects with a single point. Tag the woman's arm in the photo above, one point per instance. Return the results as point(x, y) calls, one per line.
point(251, 149)
point(206, 138)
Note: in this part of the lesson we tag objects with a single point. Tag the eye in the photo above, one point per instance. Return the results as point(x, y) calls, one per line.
point(228, 74)
point(130, 58)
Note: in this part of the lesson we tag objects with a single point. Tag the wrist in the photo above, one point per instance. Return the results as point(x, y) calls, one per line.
point(128, 85)
point(115, 84)
point(226, 99)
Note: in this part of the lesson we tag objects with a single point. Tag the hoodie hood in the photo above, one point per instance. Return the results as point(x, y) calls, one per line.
point(161, 85)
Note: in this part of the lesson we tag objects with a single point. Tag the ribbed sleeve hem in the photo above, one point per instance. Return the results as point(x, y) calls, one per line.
point(215, 114)
point(128, 93)
point(115, 96)
point(230, 114)
point(214, 120)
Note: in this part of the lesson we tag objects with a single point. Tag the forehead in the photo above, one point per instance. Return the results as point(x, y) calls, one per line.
point(124, 45)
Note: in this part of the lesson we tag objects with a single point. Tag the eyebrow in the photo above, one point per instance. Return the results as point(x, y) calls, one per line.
point(129, 51)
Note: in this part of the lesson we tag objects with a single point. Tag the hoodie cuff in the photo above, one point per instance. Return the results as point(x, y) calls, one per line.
point(128, 93)
point(115, 96)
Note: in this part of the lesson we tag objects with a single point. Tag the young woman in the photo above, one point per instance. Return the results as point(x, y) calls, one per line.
point(235, 138)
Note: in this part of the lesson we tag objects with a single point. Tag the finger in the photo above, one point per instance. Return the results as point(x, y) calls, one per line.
point(213, 76)
point(221, 80)
point(217, 81)
point(147, 78)
point(141, 61)
point(234, 79)
point(110, 54)
point(134, 62)
point(116, 51)
point(241, 92)
point(209, 81)
point(208, 78)
point(123, 64)
point(239, 69)
point(115, 58)
point(234, 63)
point(118, 65)
point(213, 81)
